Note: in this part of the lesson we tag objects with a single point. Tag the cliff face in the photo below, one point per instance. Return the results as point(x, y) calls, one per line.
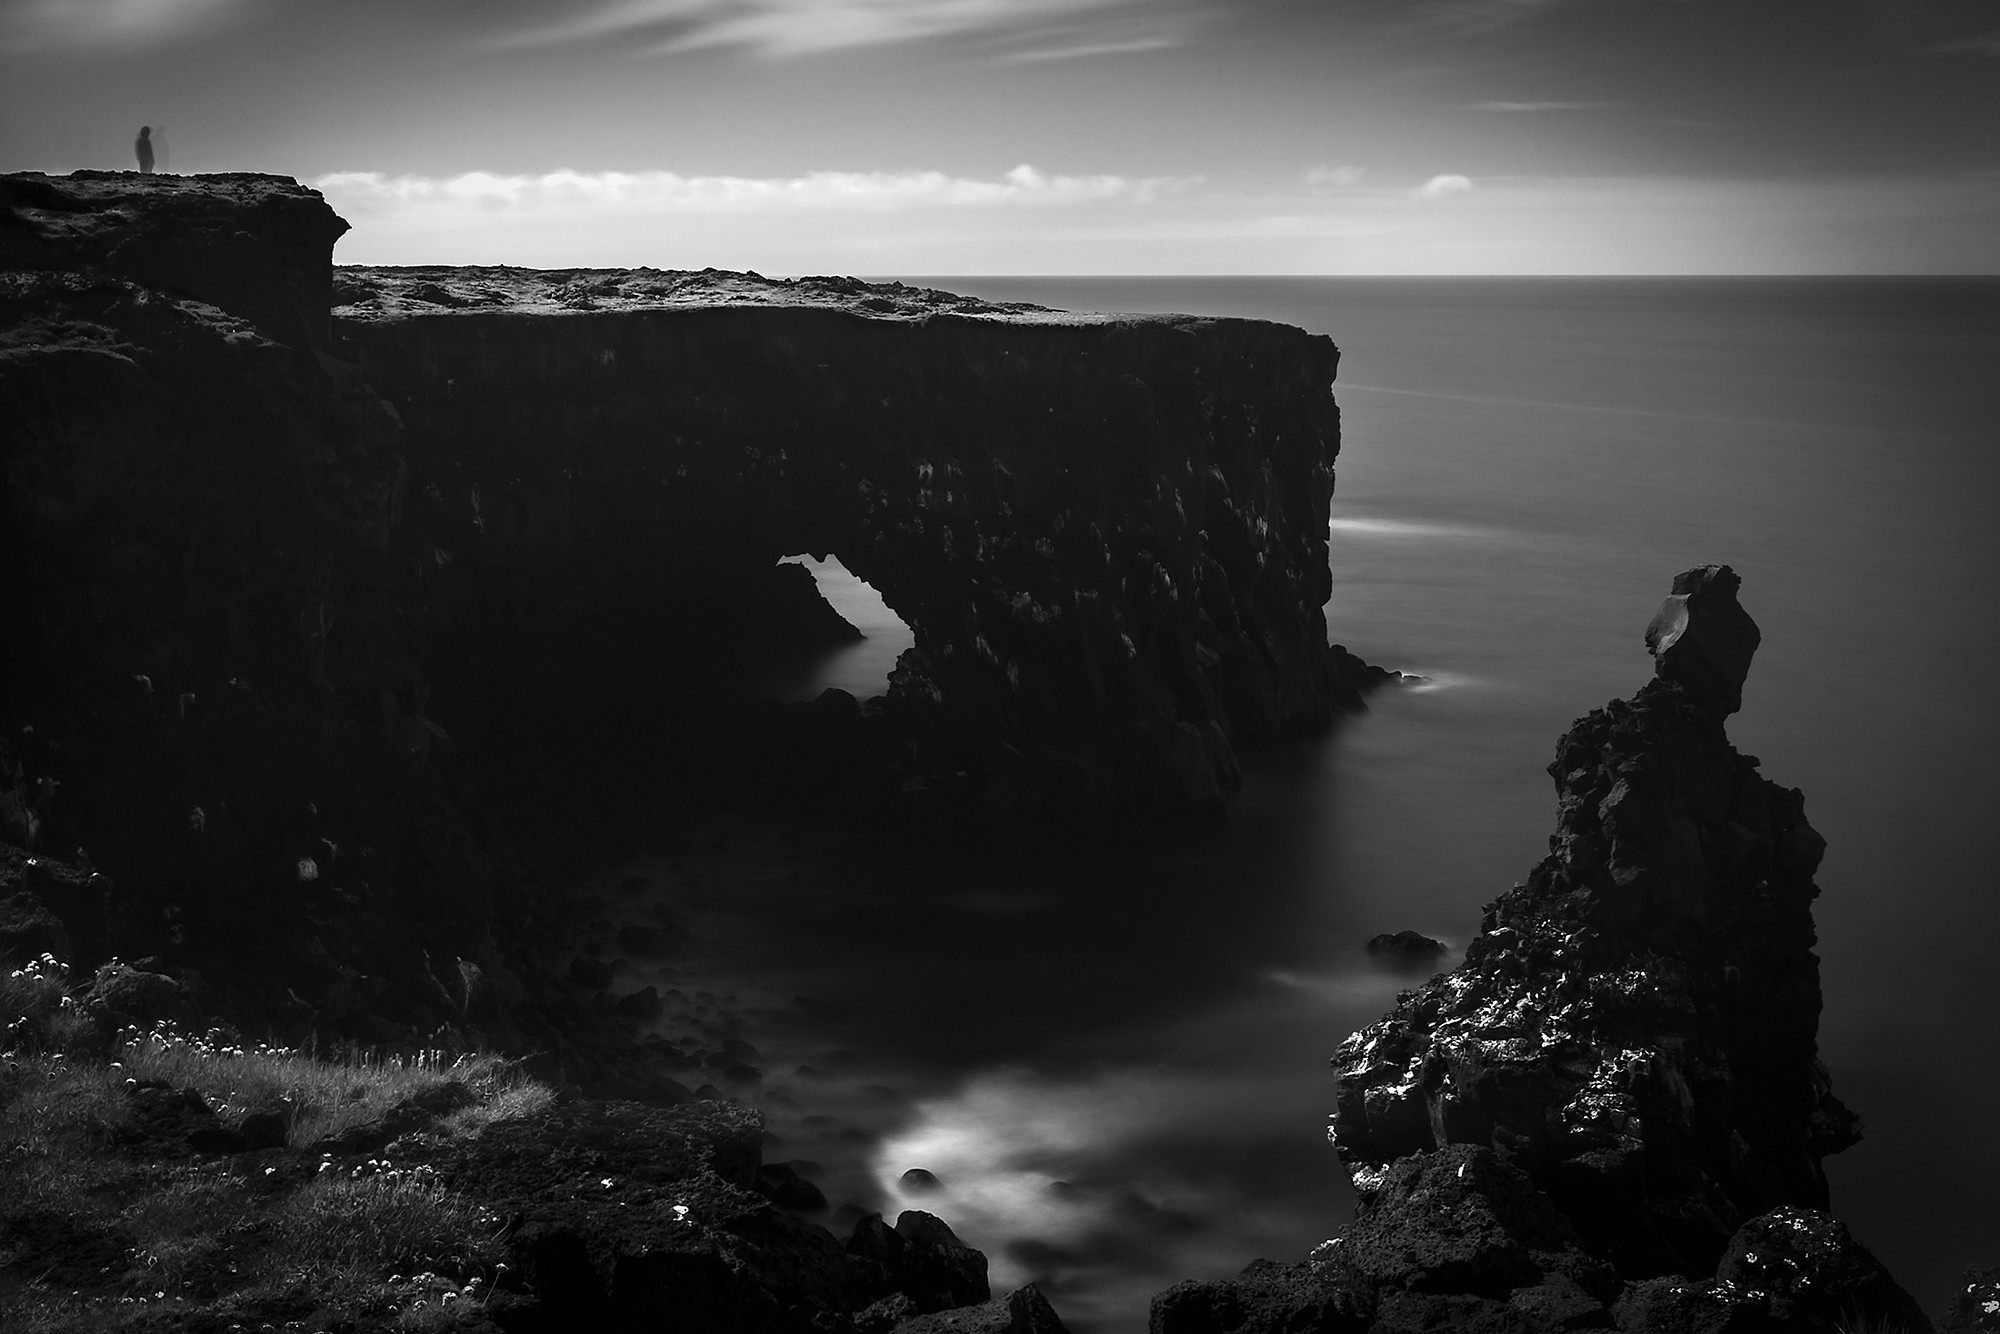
point(1107, 535)
point(1613, 1112)
point(311, 632)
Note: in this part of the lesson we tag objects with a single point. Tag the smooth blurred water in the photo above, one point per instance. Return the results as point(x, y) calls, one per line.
point(1115, 1060)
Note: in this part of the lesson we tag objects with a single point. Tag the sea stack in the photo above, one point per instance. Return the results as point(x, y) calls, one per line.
point(1613, 1113)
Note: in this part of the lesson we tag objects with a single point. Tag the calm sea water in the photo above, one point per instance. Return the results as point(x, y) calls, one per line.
point(1115, 1061)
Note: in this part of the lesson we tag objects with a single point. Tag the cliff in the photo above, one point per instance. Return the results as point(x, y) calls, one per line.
point(322, 625)
point(1612, 1114)
point(1108, 535)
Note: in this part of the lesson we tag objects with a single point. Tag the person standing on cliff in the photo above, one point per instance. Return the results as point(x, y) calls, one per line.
point(143, 146)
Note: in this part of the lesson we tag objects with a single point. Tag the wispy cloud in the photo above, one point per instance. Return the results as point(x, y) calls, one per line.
point(572, 193)
point(1331, 178)
point(41, 25)
point(802, 27)
point(1130, 46)
point(1437, 187)
point(1536, 106)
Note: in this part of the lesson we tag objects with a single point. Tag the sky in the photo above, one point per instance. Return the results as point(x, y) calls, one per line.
point(1060, 136)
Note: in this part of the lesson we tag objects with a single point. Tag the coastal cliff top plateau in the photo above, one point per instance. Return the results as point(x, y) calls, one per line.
point(364, 293)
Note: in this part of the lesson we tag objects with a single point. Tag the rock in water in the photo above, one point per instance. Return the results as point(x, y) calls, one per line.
point(1635, 1027)
point(1614, 1109)
point(1405, 946)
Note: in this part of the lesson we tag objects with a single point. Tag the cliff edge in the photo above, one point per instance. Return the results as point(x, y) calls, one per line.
point(325, 619)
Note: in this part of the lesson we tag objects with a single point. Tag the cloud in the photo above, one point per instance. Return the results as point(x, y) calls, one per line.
point(1157, 42)
point(1437, 187)
point(802, 27)
point(1536, 106)
point(41, 25)
point(571, 193)
point(1328, 178)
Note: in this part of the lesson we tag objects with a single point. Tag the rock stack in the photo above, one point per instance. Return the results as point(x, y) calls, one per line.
point(1613, 1113)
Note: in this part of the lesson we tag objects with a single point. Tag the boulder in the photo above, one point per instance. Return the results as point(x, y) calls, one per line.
point(1406, 947)
point(1975, 1303)
point(1701, 638)
point(938, 1270)
point(127, 995)
point(1023, 1311)
point(1815, 1272)
point(1316, 1294)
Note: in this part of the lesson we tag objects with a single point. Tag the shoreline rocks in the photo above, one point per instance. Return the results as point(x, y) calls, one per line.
point(1612, 1114)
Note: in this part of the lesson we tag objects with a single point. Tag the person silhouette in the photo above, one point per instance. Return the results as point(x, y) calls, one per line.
point(143, 146)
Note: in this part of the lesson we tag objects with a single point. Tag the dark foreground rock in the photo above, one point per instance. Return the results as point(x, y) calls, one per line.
point(627, 1217)
point(1612, 1114)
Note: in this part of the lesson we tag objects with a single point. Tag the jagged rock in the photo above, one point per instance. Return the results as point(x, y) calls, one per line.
point(1316, 1294)
point(782, 1185)
point(1406, 946)
point(258, 247)
point(1975, 1304)
point(1023, 1311)
point(1461, 1220)
point(127, 995)
point(166, 1119)
point(1814, 1271)
point(886, 1314)
point(1675, 1305)
point(1634, 1027)
point(938, 1270)
point(1613, 1112)
point(1702, 639)
point(875, 1258)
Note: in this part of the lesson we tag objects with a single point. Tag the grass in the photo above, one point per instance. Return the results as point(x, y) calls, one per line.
point(103, 1228)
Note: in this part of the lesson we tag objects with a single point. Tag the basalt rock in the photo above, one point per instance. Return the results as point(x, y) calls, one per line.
point(314, 624)
point(1107, 535)
point(1612, 1114)
point(1635, 1025)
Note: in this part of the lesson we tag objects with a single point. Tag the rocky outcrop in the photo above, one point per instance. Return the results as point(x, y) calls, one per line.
point(1108, 535)
point(313, 628)
point(619, 1214)
point(1635, 1026)
point(1612, 1114)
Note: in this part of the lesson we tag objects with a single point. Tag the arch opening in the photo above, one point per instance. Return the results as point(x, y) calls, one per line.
point(861, 667)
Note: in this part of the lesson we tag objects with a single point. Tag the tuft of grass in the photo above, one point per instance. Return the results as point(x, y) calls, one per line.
point(96, 1236)
point(38, 1012)
point(388, 1219)
point(321, 1097)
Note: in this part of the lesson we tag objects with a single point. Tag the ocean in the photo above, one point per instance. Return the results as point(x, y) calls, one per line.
point(1114, 1061)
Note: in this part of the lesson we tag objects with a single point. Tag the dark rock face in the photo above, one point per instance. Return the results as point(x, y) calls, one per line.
point(292, 659)
point(1612, 1114)
point(1405, 946)
point(1635, 1027)
point(1975, 1306)
point(1108, 535)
